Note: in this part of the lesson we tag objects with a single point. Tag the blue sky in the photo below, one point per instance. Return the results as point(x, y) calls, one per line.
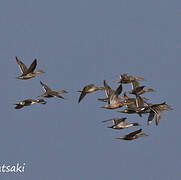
point(78, 43)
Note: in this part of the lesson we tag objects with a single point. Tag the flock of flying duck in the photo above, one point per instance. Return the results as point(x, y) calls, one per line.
point(137, 105)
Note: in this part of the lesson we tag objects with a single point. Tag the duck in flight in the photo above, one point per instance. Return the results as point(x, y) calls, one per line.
point(113, 98)
point(27, 73)
point(138, 90)
point(29, 102)
point(126, 79)
point(133, 135)
point(119, 123)
point(88, 89)
point(156, 110)
point(50, 93)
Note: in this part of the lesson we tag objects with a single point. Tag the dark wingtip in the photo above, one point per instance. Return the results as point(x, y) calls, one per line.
point(135, 124)
point(35, 60)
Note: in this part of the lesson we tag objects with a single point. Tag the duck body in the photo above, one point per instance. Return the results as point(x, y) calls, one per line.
point(29, 102)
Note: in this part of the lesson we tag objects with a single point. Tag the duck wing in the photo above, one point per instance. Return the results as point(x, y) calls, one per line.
point(139, 102)
point(84, 92)
point(150, 117)
point(158, 116)
point(109, 92)
point(22, 66)
point(55, 94)
point(135, 84)
point(134, 133)
point(158, 113)
point(108, 89)
point(119, 120)
point(45, 87)
point(32, 66)
point(118, 90)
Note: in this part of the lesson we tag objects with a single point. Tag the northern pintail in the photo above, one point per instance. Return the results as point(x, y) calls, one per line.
point(134, 102)
point(112, 95)
point(126, 79)
point(133, 135)
point(28, 73)
point(138, 90)
point(88, 89)
point(156, 110)
point(29, 102)
point(50, 93)
point(135, 105)
point(119, 123)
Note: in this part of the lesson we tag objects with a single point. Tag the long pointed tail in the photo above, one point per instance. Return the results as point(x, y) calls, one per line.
point(135, 124)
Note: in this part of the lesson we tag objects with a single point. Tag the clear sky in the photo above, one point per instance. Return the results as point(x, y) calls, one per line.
point(79, 42)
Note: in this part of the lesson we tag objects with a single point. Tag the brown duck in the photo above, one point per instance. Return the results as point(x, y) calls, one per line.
point(119, 123)
point(126, 79)
point(88, 89)
point(29, 102)
point(50, 93)
point(138, 90)
point(28, 73)
point(135, 105)
point(113, 97)
point(133, 135)
point(156, 110)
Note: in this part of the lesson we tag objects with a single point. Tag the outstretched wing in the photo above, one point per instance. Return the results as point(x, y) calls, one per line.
point(158, 113)
point(139, 102)
point(22, 66)
point(83, 93)
point(45, 87)
point(158, 116)
point(119, 120)
point(118, 90)
point(32, 66)
point(108, 90)
point(134, 133)
point(55, 94)
point(134, 84)
point(150, 117)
